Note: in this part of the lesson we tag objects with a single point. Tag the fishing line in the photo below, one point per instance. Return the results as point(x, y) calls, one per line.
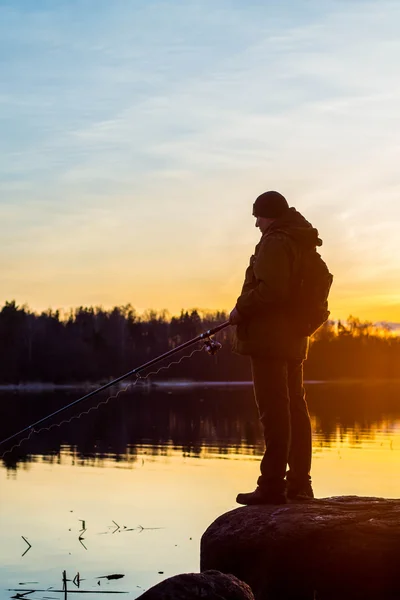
point(210, 345)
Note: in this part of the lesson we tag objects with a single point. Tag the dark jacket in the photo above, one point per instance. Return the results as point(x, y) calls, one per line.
point(268, 297)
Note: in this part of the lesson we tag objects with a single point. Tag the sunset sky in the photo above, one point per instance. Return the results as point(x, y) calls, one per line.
point(135, 136)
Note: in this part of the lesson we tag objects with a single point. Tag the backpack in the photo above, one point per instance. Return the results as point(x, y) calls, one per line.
point(310, 294)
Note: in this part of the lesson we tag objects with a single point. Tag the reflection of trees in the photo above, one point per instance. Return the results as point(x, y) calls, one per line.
point(189, 421)
point(194, 423)
point(92, 344)
point(353, 411)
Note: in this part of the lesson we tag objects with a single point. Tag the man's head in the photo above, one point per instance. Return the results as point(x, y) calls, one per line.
point(268, 207)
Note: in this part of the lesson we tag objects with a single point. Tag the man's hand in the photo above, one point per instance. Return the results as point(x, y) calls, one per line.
point(235, 317)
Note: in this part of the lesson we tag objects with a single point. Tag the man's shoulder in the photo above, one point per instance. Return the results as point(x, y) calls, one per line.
point(277, 243)
point(277, 237)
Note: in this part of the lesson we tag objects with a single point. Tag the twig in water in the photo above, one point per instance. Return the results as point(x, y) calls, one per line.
point(117, 527)
point(81, 542)
point(64, 581)
point(148, 528)
point(82, 532)
point(30, 546)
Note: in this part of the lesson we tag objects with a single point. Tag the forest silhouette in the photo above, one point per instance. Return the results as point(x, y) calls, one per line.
point(91, 344)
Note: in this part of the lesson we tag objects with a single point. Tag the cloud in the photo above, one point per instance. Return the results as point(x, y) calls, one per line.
point(146, 130)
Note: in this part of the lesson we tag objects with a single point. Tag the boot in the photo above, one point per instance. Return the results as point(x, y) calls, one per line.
point(299, 490)
point(262, 496)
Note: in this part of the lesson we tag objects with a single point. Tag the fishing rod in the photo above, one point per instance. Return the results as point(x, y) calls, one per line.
point(210, 345)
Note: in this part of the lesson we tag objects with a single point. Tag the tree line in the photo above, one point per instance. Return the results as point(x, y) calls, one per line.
point(94, 344)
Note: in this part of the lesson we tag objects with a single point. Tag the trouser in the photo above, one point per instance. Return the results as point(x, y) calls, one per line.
point(280, 398)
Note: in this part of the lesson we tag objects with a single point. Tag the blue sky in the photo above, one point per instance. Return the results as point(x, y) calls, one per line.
point(134, 137)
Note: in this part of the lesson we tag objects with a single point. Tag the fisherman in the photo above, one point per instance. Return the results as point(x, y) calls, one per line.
point(267, 319)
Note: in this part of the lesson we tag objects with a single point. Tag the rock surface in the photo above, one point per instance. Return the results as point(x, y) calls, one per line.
point(331, 549)
point(210, 585)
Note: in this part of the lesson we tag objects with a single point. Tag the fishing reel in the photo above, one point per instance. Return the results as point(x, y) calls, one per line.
point(212, 346)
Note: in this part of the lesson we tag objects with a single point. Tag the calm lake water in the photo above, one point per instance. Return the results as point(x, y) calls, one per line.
point(130, 488)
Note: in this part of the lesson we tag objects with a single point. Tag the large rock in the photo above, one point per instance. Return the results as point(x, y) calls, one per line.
point(336, 548)
point(210, 585)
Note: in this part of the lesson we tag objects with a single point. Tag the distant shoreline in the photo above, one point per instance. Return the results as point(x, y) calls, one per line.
point(32, 387)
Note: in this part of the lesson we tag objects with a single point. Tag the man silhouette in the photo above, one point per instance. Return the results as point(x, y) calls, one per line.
point(266, 331)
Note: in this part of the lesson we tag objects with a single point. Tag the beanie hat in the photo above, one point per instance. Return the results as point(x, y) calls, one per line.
point(270, 205)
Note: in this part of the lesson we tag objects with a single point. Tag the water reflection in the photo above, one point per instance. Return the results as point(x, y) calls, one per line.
point(196, 422)
point(170, 461)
